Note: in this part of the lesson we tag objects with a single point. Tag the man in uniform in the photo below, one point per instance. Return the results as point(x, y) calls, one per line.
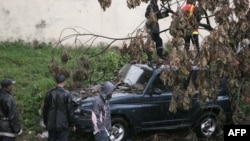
point(10, 126)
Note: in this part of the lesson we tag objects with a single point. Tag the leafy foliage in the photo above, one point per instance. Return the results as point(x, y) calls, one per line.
point(85, 65)
point(218, 52)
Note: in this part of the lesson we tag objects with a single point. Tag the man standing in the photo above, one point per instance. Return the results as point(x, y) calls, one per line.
point(101, 117)
point(153, 14)
point(10, 125)
point(57, 111)
point(190, 11)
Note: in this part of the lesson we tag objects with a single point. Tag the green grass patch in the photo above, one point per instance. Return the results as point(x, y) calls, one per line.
point(28, 64)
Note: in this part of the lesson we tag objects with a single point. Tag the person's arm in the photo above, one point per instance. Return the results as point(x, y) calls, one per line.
point(95, 117)
point(70, 111)
point(164, 14)
point(197, 15)
point(108, 114)
point(147, 11)
point(13, 116)
point(45, 110)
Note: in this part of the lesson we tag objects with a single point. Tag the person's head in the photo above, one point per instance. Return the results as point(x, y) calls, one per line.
point(106, 90)
point(154, 1)
point(7, 83)
point(191, 2)
point(60, 79)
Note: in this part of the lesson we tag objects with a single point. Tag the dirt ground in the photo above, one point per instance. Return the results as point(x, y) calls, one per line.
point(179, 135)
point(174, 135)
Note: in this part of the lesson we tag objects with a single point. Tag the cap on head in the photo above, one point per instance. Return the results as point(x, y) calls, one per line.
point(60, 78)
point(7, 82)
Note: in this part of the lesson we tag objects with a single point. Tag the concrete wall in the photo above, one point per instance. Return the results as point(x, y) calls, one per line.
point(44, 20)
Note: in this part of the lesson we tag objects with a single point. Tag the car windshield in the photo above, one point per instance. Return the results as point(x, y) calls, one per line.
point(136, 75)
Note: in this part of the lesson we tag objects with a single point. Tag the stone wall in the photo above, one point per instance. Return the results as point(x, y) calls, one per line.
point(44, 20)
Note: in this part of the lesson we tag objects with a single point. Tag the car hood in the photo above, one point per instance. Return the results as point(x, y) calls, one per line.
point(117, 97)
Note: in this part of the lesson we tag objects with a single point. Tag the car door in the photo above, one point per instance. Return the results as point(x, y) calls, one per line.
point(155, 110)
point(184, 116)
point(155, 105)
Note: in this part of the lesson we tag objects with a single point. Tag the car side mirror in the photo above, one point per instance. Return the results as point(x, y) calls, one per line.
point(156, 91)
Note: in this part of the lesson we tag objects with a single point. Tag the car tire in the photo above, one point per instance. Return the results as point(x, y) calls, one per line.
point(207, 125)
point(119, 129)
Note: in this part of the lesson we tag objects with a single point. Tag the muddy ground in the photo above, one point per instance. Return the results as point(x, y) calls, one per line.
point(176, 135)
point(172, 135)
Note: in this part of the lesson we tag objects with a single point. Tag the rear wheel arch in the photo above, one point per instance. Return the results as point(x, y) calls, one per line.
point(219, 112)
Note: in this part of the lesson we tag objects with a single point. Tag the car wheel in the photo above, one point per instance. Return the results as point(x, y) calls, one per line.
point(119, 129)
point(207, 125)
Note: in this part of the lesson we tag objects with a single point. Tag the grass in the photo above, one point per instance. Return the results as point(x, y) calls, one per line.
point(28, 67)
point(28, 64)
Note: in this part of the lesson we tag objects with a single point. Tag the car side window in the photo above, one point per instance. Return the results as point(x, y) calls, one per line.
point(191, 77)
point(158, 83)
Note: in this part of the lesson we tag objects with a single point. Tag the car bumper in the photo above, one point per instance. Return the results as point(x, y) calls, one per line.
point(82, 123)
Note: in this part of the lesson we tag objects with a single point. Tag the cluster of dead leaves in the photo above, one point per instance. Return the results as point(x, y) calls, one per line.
point(79, 74)
point(138, 47)
point(218, 51)
point(133, 3)
point(105, 4)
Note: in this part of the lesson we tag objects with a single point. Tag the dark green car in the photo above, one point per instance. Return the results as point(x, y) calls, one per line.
point(141, 103)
